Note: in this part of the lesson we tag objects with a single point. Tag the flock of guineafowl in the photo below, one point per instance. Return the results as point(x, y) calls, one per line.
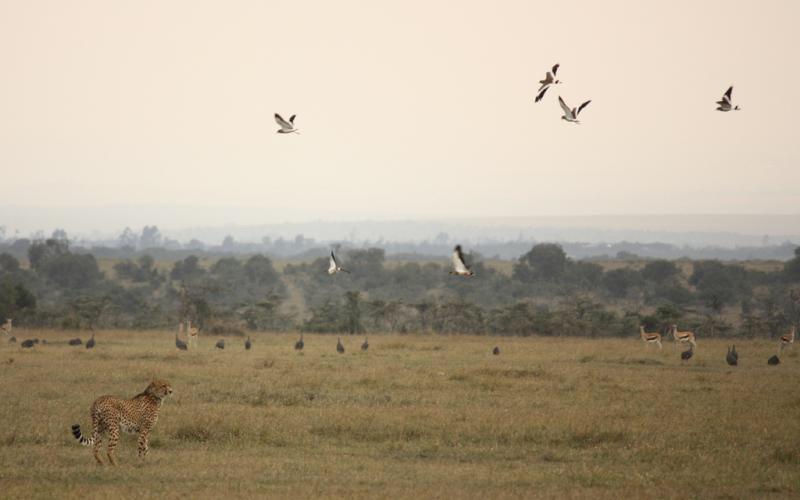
point(731, 357)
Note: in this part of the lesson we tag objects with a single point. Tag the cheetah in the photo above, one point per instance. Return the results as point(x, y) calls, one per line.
point(112, 414)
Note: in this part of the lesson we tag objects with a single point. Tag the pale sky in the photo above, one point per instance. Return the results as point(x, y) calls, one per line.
point(406, 109)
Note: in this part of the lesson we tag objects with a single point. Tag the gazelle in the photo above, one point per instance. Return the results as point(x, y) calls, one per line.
point(650, 337)
point(6, 327)
point(787, 339)
point(682, 337)
point(192, 333)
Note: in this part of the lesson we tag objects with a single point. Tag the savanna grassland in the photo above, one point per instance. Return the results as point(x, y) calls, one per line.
point(415, 416)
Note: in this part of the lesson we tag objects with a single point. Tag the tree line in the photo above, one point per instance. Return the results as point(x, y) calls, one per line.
point(546, 293)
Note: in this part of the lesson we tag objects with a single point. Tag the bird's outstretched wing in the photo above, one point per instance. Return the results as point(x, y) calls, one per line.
point(555, 69)
point(541, 94)
point(564, 106)
point(332, 265)
point(581, 107)
point(283, 123)
point(291, 119)
point(458, 261)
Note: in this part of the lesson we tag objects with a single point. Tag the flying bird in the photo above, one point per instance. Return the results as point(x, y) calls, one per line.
point(725, 104)
point(549, 79)
point(571, 115)
point(460, 266)
point(286, 127)
point(334, 266)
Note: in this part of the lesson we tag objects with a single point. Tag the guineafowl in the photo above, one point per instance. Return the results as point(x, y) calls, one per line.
point(339, 346)
point(365, 345)
point(180, 344)
point(75, 341)
point(774, 360)
point(687, 355)
point(220, 344)
point(90, 342)
point(248, 344)
point(27, 344)
point(496, 351)
point(732, 357)
point(298, 346)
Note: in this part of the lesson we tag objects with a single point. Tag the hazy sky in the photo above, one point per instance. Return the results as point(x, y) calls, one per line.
point(408, 108)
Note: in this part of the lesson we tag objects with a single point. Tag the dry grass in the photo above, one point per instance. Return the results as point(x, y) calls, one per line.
point(413, 417)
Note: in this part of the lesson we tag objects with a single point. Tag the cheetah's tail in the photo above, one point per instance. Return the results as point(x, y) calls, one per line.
point(76, 431)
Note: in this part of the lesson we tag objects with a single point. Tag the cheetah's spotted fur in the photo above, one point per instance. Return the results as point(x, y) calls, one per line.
point(136, 415)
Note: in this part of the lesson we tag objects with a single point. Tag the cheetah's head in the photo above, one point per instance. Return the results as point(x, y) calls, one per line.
point(159, 389)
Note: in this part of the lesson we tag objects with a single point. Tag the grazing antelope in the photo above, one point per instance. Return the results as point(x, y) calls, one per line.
point(192, 333)
point(788, 338)
point(682, 337)
point(650, 337)
point(6, 327)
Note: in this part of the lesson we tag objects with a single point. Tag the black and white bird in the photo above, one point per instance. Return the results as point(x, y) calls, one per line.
point(496, 351)
point(774, 360)
point(339, 345)
point(286, 127)
point(247, 343)
point(732, 357)
point(180, 344)
point(549, 79)
point(27, 344)
point(334, 266)
point(298, 346)
point(571, 115)
point(687, 355)
point(460, 266)
point(75, 341)
point(220, 344)
point(725, 104)
point(365, 345)
point(90, 342)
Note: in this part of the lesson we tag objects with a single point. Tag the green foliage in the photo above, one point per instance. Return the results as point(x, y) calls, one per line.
point(14, 299)
point(545, 261)
point(72, 271)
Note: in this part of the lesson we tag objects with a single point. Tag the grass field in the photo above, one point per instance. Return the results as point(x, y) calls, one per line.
point(415, 416)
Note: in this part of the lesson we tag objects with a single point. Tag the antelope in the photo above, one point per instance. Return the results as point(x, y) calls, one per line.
point(650, 337)
point(682, 337)
point(192, 332)
point(6, 327)
point(788, 338)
